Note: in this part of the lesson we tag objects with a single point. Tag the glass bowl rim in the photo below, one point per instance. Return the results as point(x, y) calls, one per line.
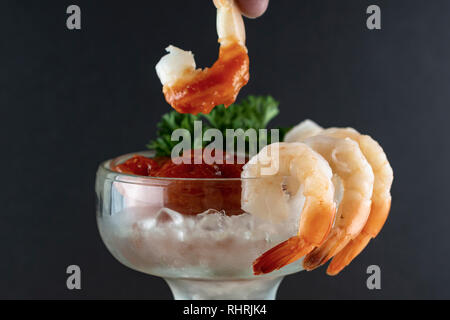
point(105, 165)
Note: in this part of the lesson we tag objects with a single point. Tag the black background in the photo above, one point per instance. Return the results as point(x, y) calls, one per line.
point(71, 99)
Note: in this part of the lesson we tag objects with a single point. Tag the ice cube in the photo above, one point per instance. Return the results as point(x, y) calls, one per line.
point(166, 216)
point(212, 220)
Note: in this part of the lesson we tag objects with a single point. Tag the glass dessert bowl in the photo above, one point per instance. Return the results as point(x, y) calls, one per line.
point(190, 231)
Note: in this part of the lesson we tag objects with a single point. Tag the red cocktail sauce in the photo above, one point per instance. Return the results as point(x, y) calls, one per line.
point(192, 197)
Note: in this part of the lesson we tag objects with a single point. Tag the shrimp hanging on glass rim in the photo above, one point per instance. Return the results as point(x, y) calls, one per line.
point(381, 197)
point(191, 90)
point(301, 184)
point(356, 181)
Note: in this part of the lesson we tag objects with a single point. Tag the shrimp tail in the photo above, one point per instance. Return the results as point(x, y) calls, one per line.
point(346, 255)
point(320, 255)
point(377, 218)
point(281, 255)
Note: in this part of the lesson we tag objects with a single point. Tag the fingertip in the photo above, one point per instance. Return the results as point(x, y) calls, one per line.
point(253, 8)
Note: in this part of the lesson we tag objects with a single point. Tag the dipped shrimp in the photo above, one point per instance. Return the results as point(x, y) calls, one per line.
point(303, 184)
point(191, 90)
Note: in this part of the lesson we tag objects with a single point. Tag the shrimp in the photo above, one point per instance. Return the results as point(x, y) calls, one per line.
point(356, 176)
point(191, 90)
point(302, 182)
point(381, 196)
point(381, 199)
point(306, 128)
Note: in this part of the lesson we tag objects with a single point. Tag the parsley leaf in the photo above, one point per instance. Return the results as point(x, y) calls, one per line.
point(253, 112)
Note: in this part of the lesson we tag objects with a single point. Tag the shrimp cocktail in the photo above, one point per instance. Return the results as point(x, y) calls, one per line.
point(221, 205)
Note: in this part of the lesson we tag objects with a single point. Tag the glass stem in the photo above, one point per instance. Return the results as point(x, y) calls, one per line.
point(254, 289)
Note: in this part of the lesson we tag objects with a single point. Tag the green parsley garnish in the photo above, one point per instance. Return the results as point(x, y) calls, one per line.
point(253, 112)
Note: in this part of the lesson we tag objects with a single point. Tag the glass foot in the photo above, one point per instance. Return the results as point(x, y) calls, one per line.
point(255, 289)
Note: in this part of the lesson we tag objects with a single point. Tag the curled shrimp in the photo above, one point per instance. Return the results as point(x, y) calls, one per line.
point(381, 196)
point(191, 90)
point(381, 199)
point(356, 177)
point(302, 182)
